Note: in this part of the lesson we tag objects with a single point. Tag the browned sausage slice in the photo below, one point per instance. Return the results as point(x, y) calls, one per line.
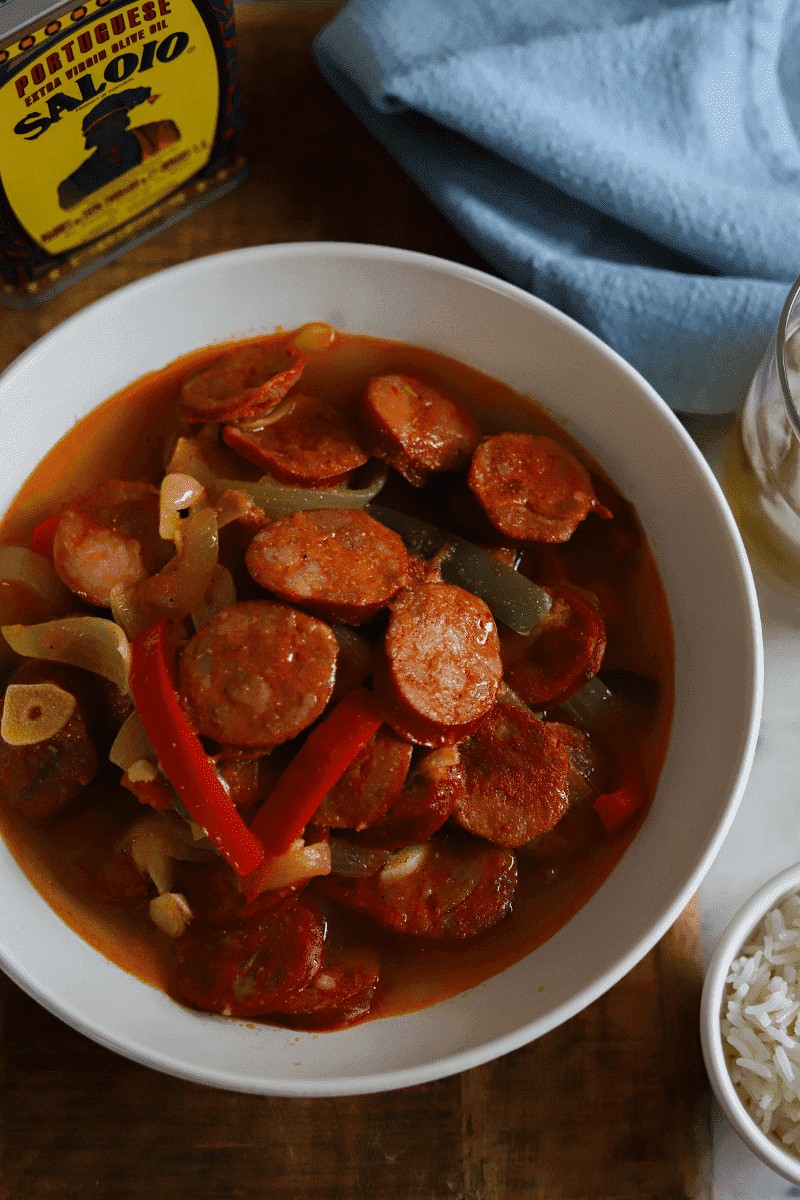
point(243, 382)
point(251, 969)
point(336, 996)
point(441, 660)
point(565, 651)
point(431, 793)
point(312, 445)
point(455, 888)
point(341, 564)
point(585, 781)
point(416, 428)
point(369, 786)
point(531, 487)
point(40, 779)
point(107, 537)
point(257, 674)
point(516, 778)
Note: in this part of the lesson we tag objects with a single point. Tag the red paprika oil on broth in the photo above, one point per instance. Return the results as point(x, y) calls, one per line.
point(128, 437)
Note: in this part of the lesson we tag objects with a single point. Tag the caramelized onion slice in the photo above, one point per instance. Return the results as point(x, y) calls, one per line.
point(170, 912)
point(221, 594)
point(156, 840)
point(94, 643)
point(34, 712)
point(277, 499)
point(178, 493)
point(355, 862)
point(24, 566)
point(300, 862)
point(131, 744)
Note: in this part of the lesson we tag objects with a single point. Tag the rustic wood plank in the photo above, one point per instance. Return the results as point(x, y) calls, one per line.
point(611, 1105)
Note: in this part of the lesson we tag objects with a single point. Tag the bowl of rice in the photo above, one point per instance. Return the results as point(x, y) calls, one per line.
point(750, 1023)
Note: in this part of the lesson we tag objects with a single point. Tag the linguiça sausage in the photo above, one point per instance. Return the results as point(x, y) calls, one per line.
point(243, 382)
point(561, 655)
point(531, 487)
point(340, 564)
point(250, 969)
point(439, 668)
point(416, 428)
point(311, 445)
point(257, 674)
point(369, 786)
point(431, 792)
point(109, 537)
point(40, 779)
point(516, 784)
point(455, 888)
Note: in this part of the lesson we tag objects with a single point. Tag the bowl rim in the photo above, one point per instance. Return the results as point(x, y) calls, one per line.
point(744, 921)
point(526, 1030)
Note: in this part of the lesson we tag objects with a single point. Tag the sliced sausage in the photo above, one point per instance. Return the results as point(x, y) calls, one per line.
point(431, 793)
point(369, 786)
point(337, 996)
point(516, 778)
point(439, 669)
point(416, 428)
point(448, 888)
point(339, 563)
point(243, 382)
point(40, 779)
point(251, 969)
point(531, 487)
point(312, 445)
point(257, 674)
point(561, 655)
point(108, 537)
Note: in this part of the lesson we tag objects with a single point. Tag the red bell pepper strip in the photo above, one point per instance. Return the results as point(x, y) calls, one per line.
point(181, 754)
point(616, 809)
point(324, 756)
point(43, 537)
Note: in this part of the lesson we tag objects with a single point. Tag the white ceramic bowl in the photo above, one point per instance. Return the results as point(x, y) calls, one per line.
point(509, 334)
point(738, 932)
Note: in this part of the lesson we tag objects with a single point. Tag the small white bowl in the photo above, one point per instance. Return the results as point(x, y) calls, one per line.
point(737, 934)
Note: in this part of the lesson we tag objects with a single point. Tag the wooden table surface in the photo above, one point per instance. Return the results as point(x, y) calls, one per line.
point(614, 1104)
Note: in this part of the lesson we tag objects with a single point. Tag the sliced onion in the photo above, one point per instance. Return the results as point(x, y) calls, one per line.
point(178, 492)
point(298, 863)
point(24, 566)
point(182, 585)
point(313, 338)
point(93, 643)
point(170, 912)
point(221, 594)
point(276, 499)
point(125, 611)
point(34, 712)
point(404, 862)
point(157, 840)
point(355, 862)
point(131, 744)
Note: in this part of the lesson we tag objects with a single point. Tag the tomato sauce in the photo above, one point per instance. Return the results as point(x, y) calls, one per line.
point(129, 437)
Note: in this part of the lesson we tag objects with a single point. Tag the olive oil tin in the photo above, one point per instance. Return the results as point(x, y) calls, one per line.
point(117, 117)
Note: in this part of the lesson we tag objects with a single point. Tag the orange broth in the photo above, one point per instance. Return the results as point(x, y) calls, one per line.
point(126, 437)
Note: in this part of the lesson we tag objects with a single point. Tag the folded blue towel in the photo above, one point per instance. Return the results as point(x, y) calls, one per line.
point(633, 162)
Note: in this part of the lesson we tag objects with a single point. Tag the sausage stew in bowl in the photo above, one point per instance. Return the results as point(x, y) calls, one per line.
point(337, 678)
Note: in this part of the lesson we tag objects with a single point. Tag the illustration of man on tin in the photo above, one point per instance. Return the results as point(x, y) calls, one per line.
point(117, 146)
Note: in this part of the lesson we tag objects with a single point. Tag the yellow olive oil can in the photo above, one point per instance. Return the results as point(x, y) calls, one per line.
point(116, 119)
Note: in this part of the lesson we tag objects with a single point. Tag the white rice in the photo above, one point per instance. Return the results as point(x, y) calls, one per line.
point(761, 1023)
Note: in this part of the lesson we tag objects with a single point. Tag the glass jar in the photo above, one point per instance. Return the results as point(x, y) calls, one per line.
point(764, 480)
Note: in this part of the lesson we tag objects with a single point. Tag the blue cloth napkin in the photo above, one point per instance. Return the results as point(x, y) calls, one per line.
point(633, 162)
